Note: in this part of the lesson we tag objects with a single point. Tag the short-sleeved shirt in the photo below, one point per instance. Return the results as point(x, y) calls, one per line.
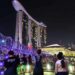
point(58, 66)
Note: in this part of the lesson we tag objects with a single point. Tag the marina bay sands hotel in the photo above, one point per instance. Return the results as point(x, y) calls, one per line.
point(28, 31)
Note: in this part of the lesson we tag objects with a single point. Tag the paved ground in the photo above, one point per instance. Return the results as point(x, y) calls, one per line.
point(45, 73)
point(48, 73)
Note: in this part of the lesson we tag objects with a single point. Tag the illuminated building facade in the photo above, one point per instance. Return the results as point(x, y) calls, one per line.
point(28, 31)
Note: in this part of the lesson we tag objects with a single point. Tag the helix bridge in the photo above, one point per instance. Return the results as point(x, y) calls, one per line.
point(7, 44)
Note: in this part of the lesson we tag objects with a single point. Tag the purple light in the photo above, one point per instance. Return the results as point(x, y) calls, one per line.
point(2, 72)
point(6, 57)
point(1, 64)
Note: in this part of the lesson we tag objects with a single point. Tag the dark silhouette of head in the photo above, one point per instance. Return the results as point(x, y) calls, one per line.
point(60, 55)
point(11, 53)
point(39, 51)
point(24, 55)
point(29, 56)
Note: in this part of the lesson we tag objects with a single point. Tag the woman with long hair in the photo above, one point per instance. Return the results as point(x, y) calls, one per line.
point(61, 65)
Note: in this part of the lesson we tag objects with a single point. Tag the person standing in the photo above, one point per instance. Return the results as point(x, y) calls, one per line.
point(61, 65)
point(10, 64)
point(38, 69)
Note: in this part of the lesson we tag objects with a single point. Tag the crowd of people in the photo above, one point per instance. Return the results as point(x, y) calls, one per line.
point(11, 63)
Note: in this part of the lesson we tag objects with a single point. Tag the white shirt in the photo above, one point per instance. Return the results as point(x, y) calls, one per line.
point(58, 67)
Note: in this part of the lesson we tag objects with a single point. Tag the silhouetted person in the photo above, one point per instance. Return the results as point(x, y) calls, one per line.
point(29, 59)
point(54, 58)
point(38, 69)
point(24, 59)
point(10, 64)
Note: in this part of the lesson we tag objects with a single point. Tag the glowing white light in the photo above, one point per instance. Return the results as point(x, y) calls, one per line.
point(3, 41)
point(71, 68)
point(48, 66)
point(2, 73)
point(1, 63)
point(28, 67)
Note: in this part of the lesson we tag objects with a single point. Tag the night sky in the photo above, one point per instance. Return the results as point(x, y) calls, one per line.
point(58, 15)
